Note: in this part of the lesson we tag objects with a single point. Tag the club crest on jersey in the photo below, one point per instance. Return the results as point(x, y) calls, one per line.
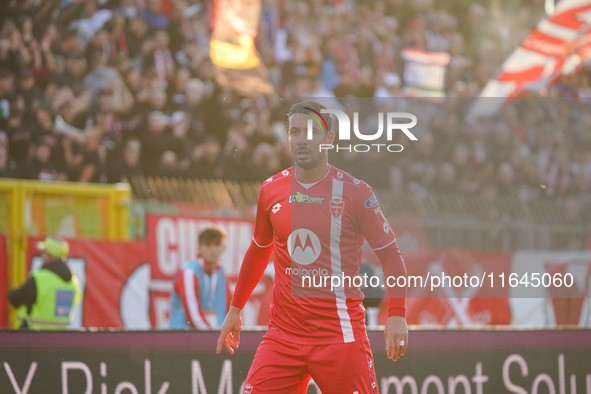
point(371, 202)
point(336, 208)
point(303, 246)
point(305, 199)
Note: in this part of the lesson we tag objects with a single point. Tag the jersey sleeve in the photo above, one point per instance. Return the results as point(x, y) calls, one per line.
point(376, 229)
point(371, 221)
point(263, 230)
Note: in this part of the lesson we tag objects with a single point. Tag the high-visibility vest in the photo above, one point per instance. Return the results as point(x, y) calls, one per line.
point(56, 299)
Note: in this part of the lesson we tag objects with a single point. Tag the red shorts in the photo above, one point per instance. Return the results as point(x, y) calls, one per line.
point(284, 367)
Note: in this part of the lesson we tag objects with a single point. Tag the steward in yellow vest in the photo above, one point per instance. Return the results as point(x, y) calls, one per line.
point(46, 301)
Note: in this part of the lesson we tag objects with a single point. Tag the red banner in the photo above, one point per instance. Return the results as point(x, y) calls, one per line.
point(127, 284)
point(454, 306)
point(110, 276)
point(4, 281)
point(173, 241)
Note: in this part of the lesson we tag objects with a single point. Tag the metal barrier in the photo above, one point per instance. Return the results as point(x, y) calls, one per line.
point(31, 208)
point(448, 219)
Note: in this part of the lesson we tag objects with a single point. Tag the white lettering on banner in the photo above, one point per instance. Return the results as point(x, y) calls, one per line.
point(126, 386)
point(148, 379)
point(433, 380)
point(542, 379)
point(479, 379)
point(28, 379)
point(166, 240)
point(399, 384)
point(453, 382)
point(78, 365)
point(187, 237)
point(72, 365)
point(103, 370)
point(225, 386)
point(198, 383)
point(176, 242)
point(547, 380)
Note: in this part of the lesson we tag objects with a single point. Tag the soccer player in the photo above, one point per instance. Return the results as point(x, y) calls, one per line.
point(315, 217)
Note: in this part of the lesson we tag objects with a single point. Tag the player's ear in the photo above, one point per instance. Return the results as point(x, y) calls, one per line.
point(331, 135)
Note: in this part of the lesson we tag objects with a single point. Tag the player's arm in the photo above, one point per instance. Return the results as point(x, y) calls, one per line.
point(187, 288)
point(396, 330)
point(253, 267)
point(381, 238)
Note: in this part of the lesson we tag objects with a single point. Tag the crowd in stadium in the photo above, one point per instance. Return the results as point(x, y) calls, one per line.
point(104, 90)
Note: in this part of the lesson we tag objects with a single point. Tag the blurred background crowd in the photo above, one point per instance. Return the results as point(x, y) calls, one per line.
point(104, 90)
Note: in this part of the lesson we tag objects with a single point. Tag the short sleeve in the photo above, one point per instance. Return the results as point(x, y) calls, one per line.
point(263, 230)
point(371, 220)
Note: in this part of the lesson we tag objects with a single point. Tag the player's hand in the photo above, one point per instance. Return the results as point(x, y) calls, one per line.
point(230, 331)
point(395, 332)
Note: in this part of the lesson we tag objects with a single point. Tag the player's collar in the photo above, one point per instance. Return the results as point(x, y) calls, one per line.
point(309, 185)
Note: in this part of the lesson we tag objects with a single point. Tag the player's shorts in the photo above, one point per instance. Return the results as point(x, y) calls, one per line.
point(281, 367)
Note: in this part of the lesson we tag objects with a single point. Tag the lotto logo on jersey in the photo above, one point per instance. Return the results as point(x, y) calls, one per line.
point(305, 199)
point(303, 246)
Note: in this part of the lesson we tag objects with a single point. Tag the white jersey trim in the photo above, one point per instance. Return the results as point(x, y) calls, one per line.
point(336, 266)
point(385, 246)
point(256, 243)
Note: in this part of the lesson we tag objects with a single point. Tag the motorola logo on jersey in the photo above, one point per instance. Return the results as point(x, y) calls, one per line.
point(303, 246)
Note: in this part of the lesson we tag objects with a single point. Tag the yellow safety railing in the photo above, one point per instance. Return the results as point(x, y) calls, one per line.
point(31, 208)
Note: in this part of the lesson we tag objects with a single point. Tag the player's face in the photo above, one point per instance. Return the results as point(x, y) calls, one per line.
point(211, 252)
point(306, 152)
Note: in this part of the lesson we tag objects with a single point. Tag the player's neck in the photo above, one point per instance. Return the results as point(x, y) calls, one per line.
point(311, 175)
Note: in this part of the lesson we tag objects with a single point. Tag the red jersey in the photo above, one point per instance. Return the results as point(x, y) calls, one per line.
point(318, 230)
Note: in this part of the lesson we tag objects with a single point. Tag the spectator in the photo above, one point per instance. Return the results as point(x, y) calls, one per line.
point(39, 166)
point(205, 160)
point(6, 168)
point(153, 15)
point(155, 142)
point(201, 296)
point(19, 136)
point(168, 166)
point(128, 164)
point(93, 165)
point(6, 91)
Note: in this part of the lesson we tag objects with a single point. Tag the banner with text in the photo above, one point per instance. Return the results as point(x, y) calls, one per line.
point(440, 361)
point(424, 72)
